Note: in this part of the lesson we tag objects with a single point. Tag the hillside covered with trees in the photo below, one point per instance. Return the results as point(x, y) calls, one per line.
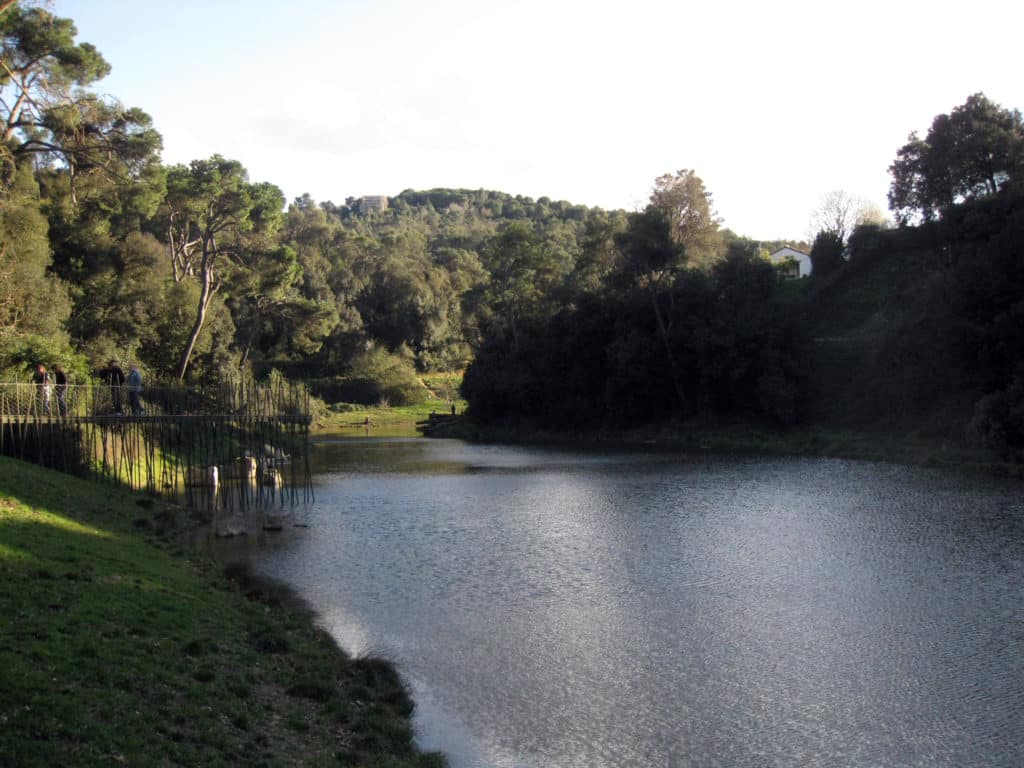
point(194, 270)
point(562, 315)
point(914, 331)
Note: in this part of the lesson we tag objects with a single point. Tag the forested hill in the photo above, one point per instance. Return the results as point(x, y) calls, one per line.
point(917, 332)
point(424, 276)
point(921, 332)
point(493, 205)
point(195, 271)
point(564, 314)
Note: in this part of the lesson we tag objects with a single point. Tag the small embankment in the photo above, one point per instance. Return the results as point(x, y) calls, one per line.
point(441, 425)
point(118, 646)
point(738, 438)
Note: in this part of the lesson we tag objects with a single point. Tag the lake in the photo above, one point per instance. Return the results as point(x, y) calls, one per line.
point(576, 608)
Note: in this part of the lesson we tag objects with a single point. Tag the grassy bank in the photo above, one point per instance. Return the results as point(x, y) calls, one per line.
point(117, 646)
point(350, 419)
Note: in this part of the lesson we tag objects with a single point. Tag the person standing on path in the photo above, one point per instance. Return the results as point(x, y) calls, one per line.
point(114, 376)
point(61, 380)
point(134, 382)
point(43, 385)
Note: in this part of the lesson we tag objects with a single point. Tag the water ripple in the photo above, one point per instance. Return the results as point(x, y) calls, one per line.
point(553, 608)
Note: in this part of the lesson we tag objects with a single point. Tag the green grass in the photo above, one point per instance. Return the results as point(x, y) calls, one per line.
point(118, 646)
point(393, 421)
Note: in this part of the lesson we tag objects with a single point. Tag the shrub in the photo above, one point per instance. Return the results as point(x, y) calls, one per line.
point(826, 254)
point(377, 376)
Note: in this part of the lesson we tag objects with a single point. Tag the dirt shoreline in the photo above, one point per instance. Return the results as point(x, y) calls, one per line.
point(746, 440)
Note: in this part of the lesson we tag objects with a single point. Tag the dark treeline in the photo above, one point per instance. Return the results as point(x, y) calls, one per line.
point(916, 331)
point(656, 339)
point(930, 327)
point(567, 316)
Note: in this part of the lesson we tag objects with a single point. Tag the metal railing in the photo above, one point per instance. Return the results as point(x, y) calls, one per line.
point(161, 438)
point(79, 401)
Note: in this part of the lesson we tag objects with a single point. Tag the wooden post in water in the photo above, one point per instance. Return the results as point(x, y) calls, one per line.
point(180, 431)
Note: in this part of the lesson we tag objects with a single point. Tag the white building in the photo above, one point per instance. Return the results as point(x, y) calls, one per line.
point(792, 262)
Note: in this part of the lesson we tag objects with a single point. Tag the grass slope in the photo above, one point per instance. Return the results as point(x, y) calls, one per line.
point(119, 647)
point(351, 419)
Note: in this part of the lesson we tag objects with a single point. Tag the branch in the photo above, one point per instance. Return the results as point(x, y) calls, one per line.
point(24, 85)
point(36, 145)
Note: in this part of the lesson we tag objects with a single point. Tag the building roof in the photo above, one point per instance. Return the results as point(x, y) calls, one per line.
point(791, 248)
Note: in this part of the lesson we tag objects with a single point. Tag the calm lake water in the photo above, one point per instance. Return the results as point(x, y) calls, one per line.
point(554, 608)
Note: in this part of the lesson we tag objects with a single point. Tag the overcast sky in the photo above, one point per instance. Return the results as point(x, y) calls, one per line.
point(773, 104)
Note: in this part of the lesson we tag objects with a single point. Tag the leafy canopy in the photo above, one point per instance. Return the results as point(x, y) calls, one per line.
point(975, 151)
point(45, 110)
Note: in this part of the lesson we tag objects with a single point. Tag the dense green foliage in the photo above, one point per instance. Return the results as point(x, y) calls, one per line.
point(566, 315)
point(974, 151)
point(920, 331)
point(827, 253)
point(193, 270)
point(659, 340)
point(915, 329)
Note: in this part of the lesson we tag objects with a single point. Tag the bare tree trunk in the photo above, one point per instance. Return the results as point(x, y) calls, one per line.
point(205, 296)
point(667, 342)
point(515, 331)
point(253, 326)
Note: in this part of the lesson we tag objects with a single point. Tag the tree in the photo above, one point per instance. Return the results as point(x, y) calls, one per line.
point(974, 151)
point(749, 347)
point(409, 299)
point(651, 260)
point(33, 303)
point(841, 213)
point(45, 111)
point(216, 220)
point(597, 252)
point(524, 268)
point(871, 215)
point(686, 206)
point(838, 213)
point(826, 253)
point(266, 288)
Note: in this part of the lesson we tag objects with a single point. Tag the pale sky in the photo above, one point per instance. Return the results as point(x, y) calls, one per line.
point(773, 104)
